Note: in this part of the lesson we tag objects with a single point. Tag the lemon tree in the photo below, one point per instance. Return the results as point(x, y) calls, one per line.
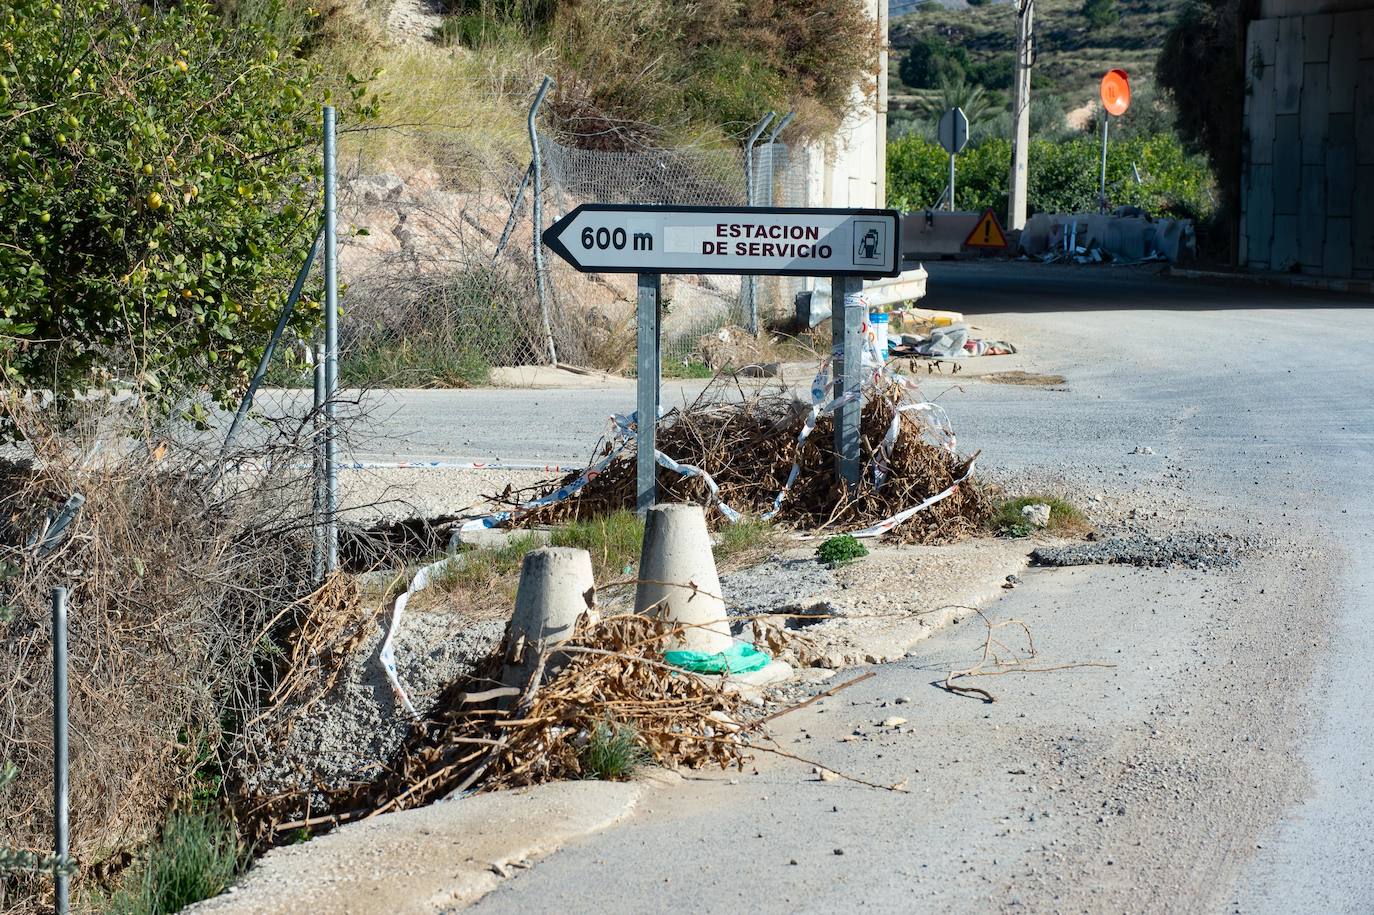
point(158, 189)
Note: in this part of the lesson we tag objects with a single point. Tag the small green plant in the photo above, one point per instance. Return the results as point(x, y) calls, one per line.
point(613, 752)
point(196, 857)
point(840, 550)
point(613, 540)
point(1008, 521)
point(674, 368)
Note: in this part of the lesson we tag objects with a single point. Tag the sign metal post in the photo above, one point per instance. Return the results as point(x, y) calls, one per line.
point(846, 245)
point(953, 137)
point(648, 369)
point(846, 322)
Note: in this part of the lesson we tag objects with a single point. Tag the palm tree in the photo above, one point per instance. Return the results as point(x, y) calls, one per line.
point(958, 94)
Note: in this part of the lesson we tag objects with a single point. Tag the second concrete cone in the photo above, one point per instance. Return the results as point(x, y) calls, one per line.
point(677, 555)
point(554, 581)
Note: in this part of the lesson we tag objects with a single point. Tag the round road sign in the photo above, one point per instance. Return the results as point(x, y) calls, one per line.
point(1116, 92)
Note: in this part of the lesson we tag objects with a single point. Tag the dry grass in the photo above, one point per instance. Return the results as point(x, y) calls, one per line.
point(183, 592)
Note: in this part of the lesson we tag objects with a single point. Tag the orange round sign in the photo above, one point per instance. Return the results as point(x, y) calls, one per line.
point(1116, 92)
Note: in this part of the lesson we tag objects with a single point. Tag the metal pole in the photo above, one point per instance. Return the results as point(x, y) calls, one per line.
point(247, 402)
point(751, 308)
point(1020, 113)
point(319, 551)
point(331, 348)
point(951, 182)
point(846, 322)
point(59, 742)
point(514, 211)
point(646, 382)
point(536, 165)
point(1102, 187)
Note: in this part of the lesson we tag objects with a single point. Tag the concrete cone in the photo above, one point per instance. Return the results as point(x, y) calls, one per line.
point(677, 549)
point(551, 596)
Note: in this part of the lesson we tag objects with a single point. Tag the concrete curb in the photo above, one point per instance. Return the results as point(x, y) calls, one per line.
point(1284, 280)
point(428, 860)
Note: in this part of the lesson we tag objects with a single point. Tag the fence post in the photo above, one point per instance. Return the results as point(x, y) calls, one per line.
point(536, 165)
point(514, 212)
point(847, 314)
point(319, 550)
point(287, 310)
point(331, 346)
point(59, 745)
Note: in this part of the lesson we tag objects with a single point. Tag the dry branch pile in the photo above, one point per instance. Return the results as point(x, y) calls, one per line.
point(748, 442)
point(609, 672)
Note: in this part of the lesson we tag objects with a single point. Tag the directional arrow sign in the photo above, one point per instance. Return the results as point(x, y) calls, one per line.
point(777, 241)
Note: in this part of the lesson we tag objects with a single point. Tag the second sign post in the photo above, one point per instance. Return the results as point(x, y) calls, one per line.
point(846, 245)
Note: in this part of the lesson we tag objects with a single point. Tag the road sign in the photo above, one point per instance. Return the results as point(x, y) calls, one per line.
point(954, 131)
point(774, 241)
point(1116, 92)
point(987, 233)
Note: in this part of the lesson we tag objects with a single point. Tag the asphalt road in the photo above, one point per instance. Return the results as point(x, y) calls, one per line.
point(1222, 764)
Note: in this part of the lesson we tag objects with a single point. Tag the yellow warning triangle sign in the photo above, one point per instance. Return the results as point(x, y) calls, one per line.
point(987, 233)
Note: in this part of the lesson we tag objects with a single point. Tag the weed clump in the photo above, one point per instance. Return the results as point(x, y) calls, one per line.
point(838, 551)
point(1065, 518)
point(613, 753)
point(196, 857)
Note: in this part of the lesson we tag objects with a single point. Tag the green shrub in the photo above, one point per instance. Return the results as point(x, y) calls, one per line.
point(678, 65)
point(841, 549)
point(196, 858)
point(157, 191)
point(1063, 175)
point(1100, 13)
point(932, 60)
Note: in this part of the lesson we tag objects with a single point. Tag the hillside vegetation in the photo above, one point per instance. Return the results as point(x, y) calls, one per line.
point(946, 57)
point(1074, 48)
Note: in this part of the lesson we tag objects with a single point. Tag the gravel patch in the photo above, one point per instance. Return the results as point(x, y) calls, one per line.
point(776, 586)
point(359, 725)
point(1187, 549)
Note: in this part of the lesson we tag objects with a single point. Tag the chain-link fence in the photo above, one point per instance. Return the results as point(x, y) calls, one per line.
point(440, 278)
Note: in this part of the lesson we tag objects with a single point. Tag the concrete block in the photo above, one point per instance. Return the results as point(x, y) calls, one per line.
point(1343, 67)
point(1259, 120)
point(1340, 165)
point(1259, 215)
point(1285, 245)
point(677, 575)
point(1338, 257)
point(1362, 219)
point(1287, 163)
point(1312, 217)
point(1288, 66)
point(1316, 38)
point(1313, 119)
point(1364, 114)
point(555, 583)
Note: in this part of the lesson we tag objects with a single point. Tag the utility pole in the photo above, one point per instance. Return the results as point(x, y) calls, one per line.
point(1020, 112)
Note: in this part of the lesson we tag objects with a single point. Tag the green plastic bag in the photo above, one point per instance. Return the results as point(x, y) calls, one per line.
point(739, 658)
